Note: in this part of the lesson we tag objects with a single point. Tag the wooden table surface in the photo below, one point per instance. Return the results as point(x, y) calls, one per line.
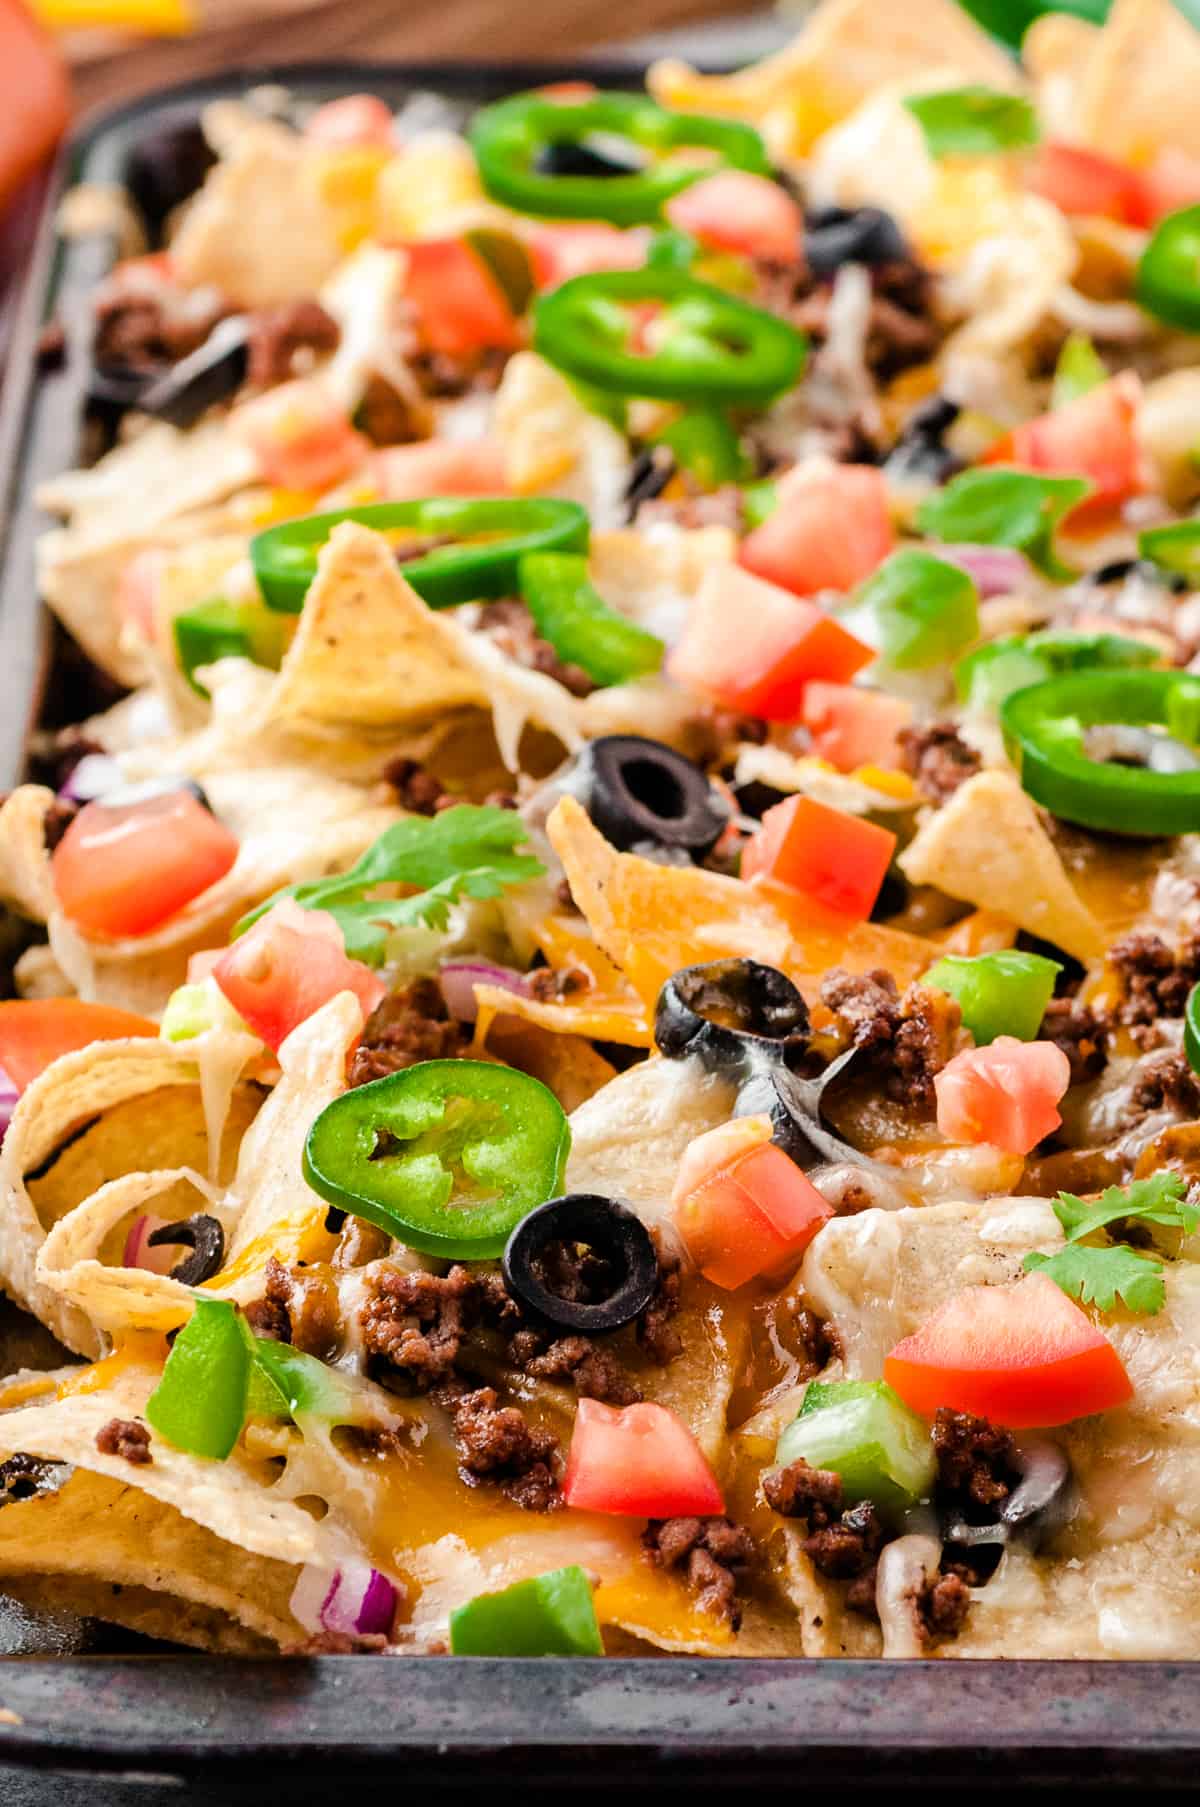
point(242, 34)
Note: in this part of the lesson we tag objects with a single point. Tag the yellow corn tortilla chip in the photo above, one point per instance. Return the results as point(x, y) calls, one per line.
point(259, 230)
point(650, 920)
point(845, 51)
point(553, 445)
point(987, 847)
point(565, 1062)
point(24, 861)
point(1056, 51)
point(151, 1612)
point(1138, 83)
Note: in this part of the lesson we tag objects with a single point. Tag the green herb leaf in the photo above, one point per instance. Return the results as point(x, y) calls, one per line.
point(998, 506)
point(973, 122)
point(1079, 369)
point(466, 851)
point(1158, 1200)
point(1101, 1276)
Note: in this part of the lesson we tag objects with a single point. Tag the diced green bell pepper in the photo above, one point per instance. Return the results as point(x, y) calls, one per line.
point(551, 1615)
point(219, 629)
point(916, 610)
point(1003, 993)
point(705, 442)
point(862, 1431)
point(199, 1404)
point(1079, 369)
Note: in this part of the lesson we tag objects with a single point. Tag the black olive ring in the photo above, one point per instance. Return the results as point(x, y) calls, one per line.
point(599, 1223)
point(736, 1016)
point(205, 1238)
point(639, 792)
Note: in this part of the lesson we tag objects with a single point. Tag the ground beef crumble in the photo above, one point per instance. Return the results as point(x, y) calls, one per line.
point(1080, 1033)
point(1166, 1082)
point(843, 1543)
point(977, 1461)
point(943, 1607)
point(22, 1477)
point(409, 1026)
point(417, 790)
point(125, 1437)
point(714, 1554)
point(283, 341)
point(56, 821)
point(1154, 980)
point(909, 1038)
point(509, 625)
point(496, 1443)
point(938, 758)
point(299, 1306)
point(552, 984)
point(268, 1316)
point(592, 1369)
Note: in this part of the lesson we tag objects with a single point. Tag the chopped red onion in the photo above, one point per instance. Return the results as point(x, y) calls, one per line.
point(460, 977)
point(354, 1599)
point(138, 1252)
point(95, 774)
point(9, 1093)
point(997, 570)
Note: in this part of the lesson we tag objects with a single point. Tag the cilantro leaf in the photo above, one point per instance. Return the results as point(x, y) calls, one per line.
point(973, 122)
point(1157, 1200)
point(1099, 1276)
point(467, 851)
point(995, 505)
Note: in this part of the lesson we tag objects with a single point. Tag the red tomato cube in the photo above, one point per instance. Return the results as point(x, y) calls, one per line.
point(1078, 181)
point(753, 647)
point(36, 1031)
point(558, 252)
point(1024, 1356)
point(851, 726)
point(736, 211)
point(637, 1461)
point(124, 869)
point(1006, 1094)
point(300, 436)
point(839, 860)
point(742, 1206)
point(829, 530)
point(460, 306)
point(287, 966)
point(354, 119)
point(1094, 436)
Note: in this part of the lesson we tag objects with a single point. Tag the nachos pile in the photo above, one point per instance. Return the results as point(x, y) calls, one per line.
point(606, 1053)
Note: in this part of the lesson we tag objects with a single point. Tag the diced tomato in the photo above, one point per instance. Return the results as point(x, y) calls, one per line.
point(354, 119)
point(300, 435)
point(35, 95)
point(287, 966)
point(639, 1461)
point(741, 1205)
point(754, 647)
point(460, 306)
point(734, 210)
point(1083, 182)
point(839, 860)
point(1172, 181)
point(124, 869)
point(1023, 1356)
point(560, 251)
point(1094, 436)
point(851, 726)
point(138, 589)
point(441, 467)
point(36, 1031)
point(1006, 1094)
point(828, 531)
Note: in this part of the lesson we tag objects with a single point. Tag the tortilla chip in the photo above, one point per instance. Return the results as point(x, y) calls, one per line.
point(158, 1614)
point(845, 52)
point(555, 446)
point(1056, 51)
point(987, 847)
point(24, 860)
point(259, 230)
point(1138, 82)
point(650, 920)
point(1021, 254)
point(565, 1062)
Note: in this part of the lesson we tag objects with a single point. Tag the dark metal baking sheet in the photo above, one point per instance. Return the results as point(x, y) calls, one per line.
point(638, 1724)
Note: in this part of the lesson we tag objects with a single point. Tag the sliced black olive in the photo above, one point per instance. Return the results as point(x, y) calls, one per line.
point(166, 165)
point(611, 1232)
point(834, 236)
point(599, 154)
point(794, 1107)
point(1039, 1503)
point(893, 897)
point(210, 374)
point(641, 792)
point(920, 450)
point(754, 798)
point(1120, 570)
point(206, 1239)
point(25, 1477)
point(649, 475)
point(736, 1016)
point(126, 796)
point(335, 1221)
